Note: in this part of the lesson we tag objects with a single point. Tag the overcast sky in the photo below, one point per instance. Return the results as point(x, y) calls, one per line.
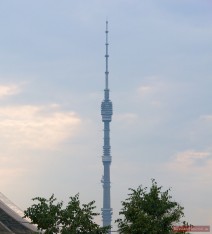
point(51, 88)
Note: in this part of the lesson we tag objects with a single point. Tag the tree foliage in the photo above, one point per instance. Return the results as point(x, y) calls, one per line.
point(146, 212)
point(50, 216)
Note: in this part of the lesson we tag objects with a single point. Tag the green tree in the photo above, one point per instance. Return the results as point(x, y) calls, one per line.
point(146, 212)
point(50, 216)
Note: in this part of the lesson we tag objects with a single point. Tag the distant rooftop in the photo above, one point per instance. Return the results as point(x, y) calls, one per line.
point(11, 220)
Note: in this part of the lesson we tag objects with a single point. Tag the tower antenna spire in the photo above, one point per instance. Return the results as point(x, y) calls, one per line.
point(106, 57)
point(106, 112)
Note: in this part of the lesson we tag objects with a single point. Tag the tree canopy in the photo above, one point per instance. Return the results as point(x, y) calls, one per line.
point(143, 212)
point(152, 212)
point(50, 216)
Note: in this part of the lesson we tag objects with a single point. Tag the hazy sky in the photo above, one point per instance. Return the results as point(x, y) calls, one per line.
point(51, 88)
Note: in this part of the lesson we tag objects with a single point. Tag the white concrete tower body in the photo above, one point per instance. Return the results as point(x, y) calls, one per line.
point(106, 112)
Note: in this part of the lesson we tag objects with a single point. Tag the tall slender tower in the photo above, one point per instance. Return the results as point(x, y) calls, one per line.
point(106, 112)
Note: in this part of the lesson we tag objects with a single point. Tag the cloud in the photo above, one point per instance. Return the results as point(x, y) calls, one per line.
point(9, 90)
point(36, 127)
point(189, 160)
point(190, 173)
point(206, 118)
point(31, 136)
point(153, 90)
point(200, 131)
point(145, 89)
point(127, 118)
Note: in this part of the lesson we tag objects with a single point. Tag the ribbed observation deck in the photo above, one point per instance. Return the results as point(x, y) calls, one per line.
point(106, 110)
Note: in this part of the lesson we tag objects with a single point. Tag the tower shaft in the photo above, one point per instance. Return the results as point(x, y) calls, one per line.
point(106, 112)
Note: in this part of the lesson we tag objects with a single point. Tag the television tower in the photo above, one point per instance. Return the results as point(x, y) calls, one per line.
point(106, 112)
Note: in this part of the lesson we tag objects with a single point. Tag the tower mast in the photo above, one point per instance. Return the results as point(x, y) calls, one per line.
point(106, 112)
